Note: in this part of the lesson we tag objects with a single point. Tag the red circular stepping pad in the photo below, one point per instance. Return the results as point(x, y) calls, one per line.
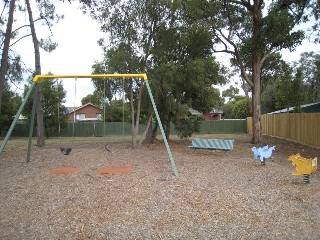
point(64, 170)
point(111, 170)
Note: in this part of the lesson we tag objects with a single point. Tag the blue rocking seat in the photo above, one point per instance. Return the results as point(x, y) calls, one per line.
point(212, 144)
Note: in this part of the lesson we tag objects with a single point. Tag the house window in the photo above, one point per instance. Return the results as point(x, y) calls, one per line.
point(99, 116)
point(80, 116)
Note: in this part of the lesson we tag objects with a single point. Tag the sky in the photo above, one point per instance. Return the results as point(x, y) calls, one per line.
point(77, 35)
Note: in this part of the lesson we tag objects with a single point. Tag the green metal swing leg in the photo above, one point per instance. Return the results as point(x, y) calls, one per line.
point(14, 122)
point(162, 131)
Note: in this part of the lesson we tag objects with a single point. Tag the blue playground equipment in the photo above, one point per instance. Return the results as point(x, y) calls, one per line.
point(212, 144)
point(263, 153)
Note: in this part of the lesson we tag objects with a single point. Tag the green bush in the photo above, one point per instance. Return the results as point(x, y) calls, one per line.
point(187, 126)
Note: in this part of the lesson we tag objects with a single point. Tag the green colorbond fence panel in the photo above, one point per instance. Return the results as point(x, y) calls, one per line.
point(223, 126)
point(83, 129)
point(22, 130)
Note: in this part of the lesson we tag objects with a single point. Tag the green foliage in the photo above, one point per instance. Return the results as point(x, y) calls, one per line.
point(53, 97)
point(268, 99)
point(185, 124)
point(309, 64)
point(95, 98)
point(119, 59)
point(237, 108)
point(290, 92)
point(16, 68)
point(10, 105)
point(305, 11)
point(249, 33)
point(276, 32)
point(273, 71)
point(116, 111)
point(47, 45)
point(241, 109)
point(299, 95)
point(227, 110)
point(157, 38)
point(231, 93)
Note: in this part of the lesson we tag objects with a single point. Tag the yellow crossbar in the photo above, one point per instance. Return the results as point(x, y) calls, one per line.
point(38, 78)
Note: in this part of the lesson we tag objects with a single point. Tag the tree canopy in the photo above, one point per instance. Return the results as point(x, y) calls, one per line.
point(154, 37)
point(53, 109)
point(249, 31)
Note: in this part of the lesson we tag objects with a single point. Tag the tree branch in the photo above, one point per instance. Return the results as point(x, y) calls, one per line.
point(20, 39)
point(244, 3)
point(235, 53)
point(4, 7)
point(267, 54)
point(28, 25)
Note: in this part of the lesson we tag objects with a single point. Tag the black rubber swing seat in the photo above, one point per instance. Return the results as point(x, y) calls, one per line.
point(65, 151)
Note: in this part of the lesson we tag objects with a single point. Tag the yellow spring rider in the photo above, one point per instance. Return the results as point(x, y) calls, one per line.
point(304, 166)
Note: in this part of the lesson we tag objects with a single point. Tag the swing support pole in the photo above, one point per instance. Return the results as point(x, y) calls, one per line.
point(14, 122)
point(173, 165)
point(33, 114)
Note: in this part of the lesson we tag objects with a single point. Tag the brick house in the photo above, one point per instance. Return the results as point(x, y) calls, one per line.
point(87, 112)
point(214, 114)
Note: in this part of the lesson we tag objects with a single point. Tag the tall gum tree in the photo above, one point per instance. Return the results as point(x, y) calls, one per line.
point(5, 50)
point(249, 32)
point(40, 125)
point(175, 54)
point(129, 28)
point(47, 12)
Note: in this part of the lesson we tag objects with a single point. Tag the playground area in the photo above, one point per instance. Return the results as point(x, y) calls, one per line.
point(217, 195)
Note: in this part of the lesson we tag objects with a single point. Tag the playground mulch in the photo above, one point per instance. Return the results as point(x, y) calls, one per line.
point(217, 195)
point(114, 170)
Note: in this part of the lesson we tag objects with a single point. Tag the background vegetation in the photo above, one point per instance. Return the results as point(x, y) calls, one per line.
point(177, 43)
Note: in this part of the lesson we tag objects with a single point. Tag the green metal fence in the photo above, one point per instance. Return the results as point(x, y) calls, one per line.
point(82, 129)
point(224, 126)
point(97, 129)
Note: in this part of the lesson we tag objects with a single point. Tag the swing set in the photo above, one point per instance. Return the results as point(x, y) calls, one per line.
point(37, 79)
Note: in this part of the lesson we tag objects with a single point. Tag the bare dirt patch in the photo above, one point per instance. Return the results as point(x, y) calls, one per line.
point(217, 195)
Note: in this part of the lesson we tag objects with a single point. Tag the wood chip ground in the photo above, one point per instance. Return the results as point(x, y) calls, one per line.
point(217, 195)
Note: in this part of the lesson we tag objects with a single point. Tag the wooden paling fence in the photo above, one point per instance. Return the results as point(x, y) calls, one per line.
point(299, 127)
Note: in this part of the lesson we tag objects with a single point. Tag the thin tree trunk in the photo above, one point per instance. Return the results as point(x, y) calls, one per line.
point(154, 132)
point(144, 64)
point(5, 51)
point(136, 122)
point(133, 136)
point(149, 134)
point(40, 126)
point(143, 137)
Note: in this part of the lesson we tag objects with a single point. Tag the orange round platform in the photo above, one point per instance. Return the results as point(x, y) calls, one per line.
point(64, 170)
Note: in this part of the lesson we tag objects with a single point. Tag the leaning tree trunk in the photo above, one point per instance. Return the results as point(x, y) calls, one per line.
point(5, 51)
point(40, 126)
point(147, 130)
